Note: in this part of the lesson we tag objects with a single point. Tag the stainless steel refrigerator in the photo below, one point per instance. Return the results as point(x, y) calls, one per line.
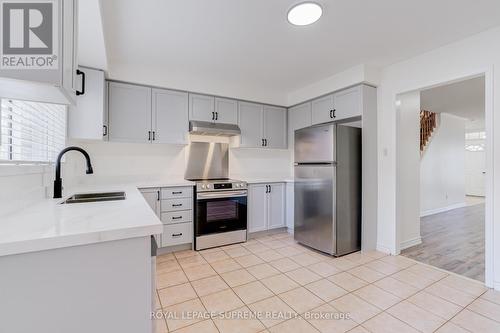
point(328, 188)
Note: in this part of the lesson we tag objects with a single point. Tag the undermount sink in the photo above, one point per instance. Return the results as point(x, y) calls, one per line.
point(94, 197)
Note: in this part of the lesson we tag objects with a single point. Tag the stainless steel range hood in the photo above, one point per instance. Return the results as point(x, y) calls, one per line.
point(208, 128)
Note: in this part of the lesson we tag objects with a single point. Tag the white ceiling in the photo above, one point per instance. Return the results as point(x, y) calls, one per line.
point(250, 44)
point(464, 99)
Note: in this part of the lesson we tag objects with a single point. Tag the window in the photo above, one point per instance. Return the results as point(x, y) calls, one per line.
point(474, 141)
point(475, 135)
point(31, 131)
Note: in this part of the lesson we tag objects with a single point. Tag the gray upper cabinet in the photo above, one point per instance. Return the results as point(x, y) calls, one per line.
point(250, 122)
point(170, 116)
point(275, 127)
point(226, 111)
point(262, 126)
point(322, 109)
point(340, 105)
point(201, 107)
point(129, 108)
point(298, 117)
point(87, 119)
point(348, 103)
point(61, 80)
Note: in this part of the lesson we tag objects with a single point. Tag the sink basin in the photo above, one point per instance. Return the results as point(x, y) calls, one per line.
point(95, 197)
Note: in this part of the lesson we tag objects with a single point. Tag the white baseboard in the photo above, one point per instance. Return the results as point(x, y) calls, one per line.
point(384, 249)
point(496, 285)
point(410, 242)
point(442, 209)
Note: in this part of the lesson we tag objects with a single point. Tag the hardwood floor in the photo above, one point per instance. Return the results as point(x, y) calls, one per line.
point(453, 241)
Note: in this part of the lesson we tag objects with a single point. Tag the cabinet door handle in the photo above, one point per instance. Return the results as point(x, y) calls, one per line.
point(265, 141)
point(262, 142)
point(154, 135)
point(79, 72)
point(333, 113)
point(213, 115)
point(177, 235)
point(104, 130)
point(157, 195)
point(177, 205)
point(270, 189)
point(216, 115)
point(177, 192)
point(176, 217)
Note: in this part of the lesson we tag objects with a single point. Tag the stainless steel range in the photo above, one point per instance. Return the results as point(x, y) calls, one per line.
point(221, 213)
point(220, 203)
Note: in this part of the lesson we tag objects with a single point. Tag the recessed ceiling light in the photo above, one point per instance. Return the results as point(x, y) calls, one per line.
point(304, 13)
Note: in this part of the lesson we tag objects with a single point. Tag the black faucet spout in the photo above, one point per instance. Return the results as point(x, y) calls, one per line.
point(58, 180)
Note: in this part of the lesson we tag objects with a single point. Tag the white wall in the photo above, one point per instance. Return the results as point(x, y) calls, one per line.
point(472, 56)
point(442, 167)
point(408, 172)
point(350, 77)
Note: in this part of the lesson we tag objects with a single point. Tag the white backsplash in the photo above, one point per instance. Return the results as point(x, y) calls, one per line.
point(125, 162)
point(23, 185)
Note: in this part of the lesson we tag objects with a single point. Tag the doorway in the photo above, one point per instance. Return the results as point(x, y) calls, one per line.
point(443, 221)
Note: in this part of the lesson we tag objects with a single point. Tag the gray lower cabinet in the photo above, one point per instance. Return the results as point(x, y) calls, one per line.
point(129, 109)
point(177, 215)
point(170, 116)
point(174, 207)
point(266, 206)
point(152, 197)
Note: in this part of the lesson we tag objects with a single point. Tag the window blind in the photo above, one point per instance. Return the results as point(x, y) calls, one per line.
point(31, 131)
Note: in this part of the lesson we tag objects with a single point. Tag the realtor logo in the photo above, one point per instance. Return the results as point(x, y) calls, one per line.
point(29, 34)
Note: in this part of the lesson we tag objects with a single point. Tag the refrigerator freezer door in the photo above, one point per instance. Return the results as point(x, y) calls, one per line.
point(315, 206)
point(315, 144)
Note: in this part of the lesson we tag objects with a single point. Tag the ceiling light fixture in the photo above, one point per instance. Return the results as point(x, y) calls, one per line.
point(304, 13)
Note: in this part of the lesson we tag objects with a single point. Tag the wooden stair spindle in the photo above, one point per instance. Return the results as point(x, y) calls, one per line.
point(427, 125)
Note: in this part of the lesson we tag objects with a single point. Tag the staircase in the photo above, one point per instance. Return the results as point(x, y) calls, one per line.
point(428, 122)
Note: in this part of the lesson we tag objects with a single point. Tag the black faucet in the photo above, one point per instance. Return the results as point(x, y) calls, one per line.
point(58, 180)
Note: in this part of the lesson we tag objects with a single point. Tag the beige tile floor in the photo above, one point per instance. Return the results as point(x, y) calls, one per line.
point(272, 284)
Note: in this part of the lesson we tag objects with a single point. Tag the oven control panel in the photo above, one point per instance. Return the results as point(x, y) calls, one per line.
point(225, 186)
point(220, 186)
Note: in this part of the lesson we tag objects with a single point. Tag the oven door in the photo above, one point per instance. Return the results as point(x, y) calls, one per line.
point(222, 211)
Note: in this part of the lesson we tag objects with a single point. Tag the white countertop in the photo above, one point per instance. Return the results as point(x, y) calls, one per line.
point(50, 225)
point(267, 180)
point(165, 183)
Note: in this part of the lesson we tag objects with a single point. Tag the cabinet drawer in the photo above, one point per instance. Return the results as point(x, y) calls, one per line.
point(174, 234)
point(172, 205)
point(176, 192)
point(177, 217)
